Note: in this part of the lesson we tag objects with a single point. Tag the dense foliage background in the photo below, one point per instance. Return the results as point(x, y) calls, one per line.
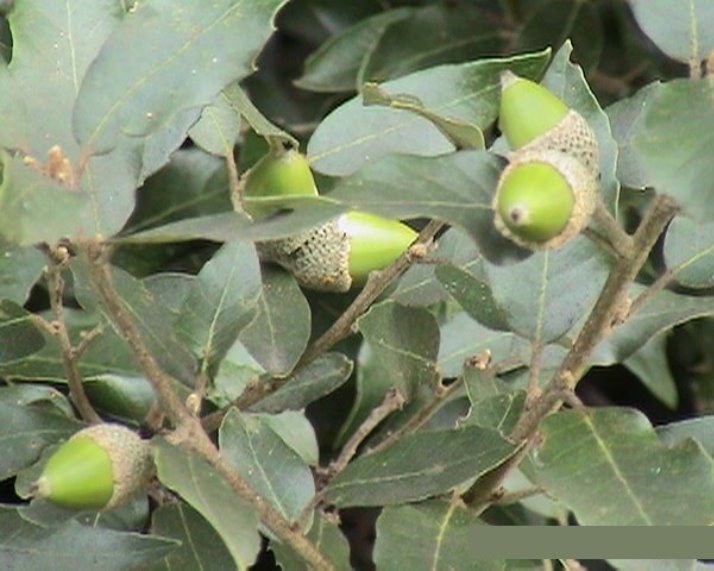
point(378, 428)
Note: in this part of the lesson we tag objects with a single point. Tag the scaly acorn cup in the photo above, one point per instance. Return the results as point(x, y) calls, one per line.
point(341, 253)
point(544, 198)
point(531, 117)
point(99, 467)
point(279, 173)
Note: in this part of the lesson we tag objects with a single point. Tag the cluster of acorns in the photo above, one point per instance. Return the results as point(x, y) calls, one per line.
point(548, 191)
point(545, 196)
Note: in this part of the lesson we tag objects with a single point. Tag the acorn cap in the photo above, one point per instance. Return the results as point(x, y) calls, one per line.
point(99, 467)
point(279, 173)
point(341, 253)
point(543, 199)
point(527, 110)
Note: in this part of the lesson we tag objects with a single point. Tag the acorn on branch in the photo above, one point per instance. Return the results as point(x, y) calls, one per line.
point(341, 253)
point(280, 173)
point(98, 468)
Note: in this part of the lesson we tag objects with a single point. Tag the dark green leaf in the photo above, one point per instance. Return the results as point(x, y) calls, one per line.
point(25, 431)
point(211, 496)
point(433, 35)
point(19, 336)
point(201, 547)
point(354, 135)
point(317, 379)
point(128, 399)
point(418, 466)
point(221, 302)
point(446, 533)
point(335, 65)
point(26, 545)
point(406, 342)
point(281, 329)
point(272, 468)
point(609, 467)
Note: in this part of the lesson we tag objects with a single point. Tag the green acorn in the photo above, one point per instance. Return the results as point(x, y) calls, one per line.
point(544, 198)
point(99, 467)
point(285, 172)
point(531, 117)
point(341, 253)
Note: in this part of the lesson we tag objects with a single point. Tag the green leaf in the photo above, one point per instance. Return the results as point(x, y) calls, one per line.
point(433, 35)
point(201, 547)
point(627, 118)
point(278, 335)
point(650, 365)
point(272, 468)
point(500, 412)
point(153, 320)
point(36, 208)
point(418, 466)
point(20, 268)
point(551, 22)
point(183, 54)
point(462, 338)
point(106, 354)
point(353, 135)
point(567, 81)
point(326, 535)
point(317, 379)
point(659, 565)
point(26, 430)
point(335, 65)
point(218, 129)
point(661, 312)
point(683, 31)
point(221, 302)
point(456, 188)
point(190, 185)
point(128, 399)
point(546, 295)
point(231, 226)
point(31, 80)
point(419, 286)
point(211, 496)
point(462, 134)
point(631, 478)
point(675, 134)
point(406, 342)
point(446, 532)
point(474, 294)
point(689, 252)
point(26, 545)
point(19, 336)
point(700, 428)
